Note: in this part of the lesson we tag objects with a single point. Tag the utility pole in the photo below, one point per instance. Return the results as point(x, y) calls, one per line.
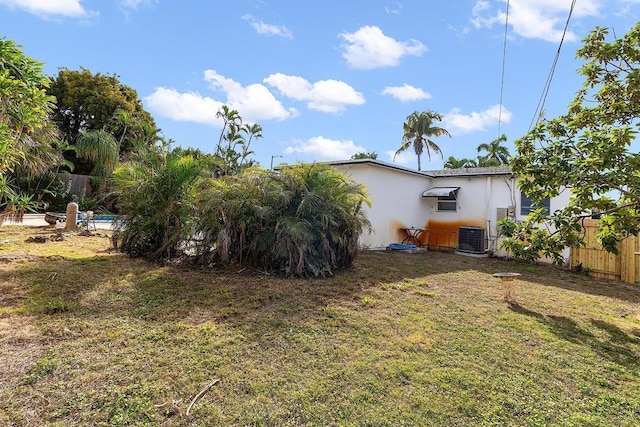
point(273, 157)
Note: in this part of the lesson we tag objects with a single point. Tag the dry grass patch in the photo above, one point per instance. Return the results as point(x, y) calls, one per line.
point(92, 337)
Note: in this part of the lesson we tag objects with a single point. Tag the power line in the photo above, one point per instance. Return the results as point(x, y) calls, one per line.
point(504, 61)
point(537, 115)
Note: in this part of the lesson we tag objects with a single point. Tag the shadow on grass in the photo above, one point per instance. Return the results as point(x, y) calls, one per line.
point(615, 349)
point(174, 291)
point(517, 308)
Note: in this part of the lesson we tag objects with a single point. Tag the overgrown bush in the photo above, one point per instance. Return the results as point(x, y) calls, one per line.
point(222, 211)
point(155, 199)
point(304, 221)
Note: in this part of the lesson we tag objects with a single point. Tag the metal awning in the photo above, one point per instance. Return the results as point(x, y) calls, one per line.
point(440, 192)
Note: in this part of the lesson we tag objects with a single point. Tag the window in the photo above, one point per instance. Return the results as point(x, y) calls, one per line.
point(527, 205)
point(447, 203)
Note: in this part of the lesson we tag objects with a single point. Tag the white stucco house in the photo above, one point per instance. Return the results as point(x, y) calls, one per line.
point(453, 209)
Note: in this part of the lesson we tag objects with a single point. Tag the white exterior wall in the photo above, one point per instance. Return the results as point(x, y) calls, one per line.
point(479, 198)
point(396, 201)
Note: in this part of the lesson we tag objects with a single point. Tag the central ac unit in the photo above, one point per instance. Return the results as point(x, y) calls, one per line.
point(471, 239)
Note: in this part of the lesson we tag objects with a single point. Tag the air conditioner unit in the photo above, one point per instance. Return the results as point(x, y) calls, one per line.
point(471, 239)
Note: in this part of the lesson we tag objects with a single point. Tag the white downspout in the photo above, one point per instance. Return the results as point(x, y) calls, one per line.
point(490, 237)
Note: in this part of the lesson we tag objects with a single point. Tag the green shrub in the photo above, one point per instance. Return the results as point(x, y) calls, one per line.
point(304, 222)
point(154, 196)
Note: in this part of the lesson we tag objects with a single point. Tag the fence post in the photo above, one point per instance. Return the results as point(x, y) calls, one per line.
point(628, 259)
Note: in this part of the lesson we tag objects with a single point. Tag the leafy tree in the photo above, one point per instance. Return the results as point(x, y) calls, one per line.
point(418, 128)
point(99, 102)
point(453, 163)
point(364, 155)
point(588, 151)
point(24, 103)
point(496, 153)
point(26, 134)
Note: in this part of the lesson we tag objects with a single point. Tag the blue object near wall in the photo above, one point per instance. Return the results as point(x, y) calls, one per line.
point(402, 247)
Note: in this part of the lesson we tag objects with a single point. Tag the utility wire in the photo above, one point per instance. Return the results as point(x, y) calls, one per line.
point(504, 60)
point(537, 115)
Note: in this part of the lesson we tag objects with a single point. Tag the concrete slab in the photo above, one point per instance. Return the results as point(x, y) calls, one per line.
point(37, 220)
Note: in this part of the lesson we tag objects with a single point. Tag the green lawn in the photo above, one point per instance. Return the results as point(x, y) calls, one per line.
point(91, 337)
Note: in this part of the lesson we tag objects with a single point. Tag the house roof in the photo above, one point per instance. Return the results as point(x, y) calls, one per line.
point(378, 163)
point(441, 173)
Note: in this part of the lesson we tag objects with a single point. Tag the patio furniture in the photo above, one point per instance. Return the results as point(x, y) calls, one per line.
point(413, 234)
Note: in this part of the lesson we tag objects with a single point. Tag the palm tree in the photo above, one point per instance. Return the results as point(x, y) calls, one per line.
point(496, 153)
point(101, 149)
point(453, 163)
point(417, 130)
point(155, 191)
point(304, 221)
point(254, 131)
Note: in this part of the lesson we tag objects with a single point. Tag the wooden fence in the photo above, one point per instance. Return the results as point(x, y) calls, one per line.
point(79, 183)
point(624, 267)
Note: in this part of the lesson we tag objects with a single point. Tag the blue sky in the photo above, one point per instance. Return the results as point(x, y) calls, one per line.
point(325, 79)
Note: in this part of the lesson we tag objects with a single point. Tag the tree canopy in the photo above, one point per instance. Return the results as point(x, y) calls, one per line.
point(365, 155)
point(24, 103)
point(590, 151)
point(496, 153)
point(27, 137)
point(455, 163)
point(418, 129)
point(99, 102)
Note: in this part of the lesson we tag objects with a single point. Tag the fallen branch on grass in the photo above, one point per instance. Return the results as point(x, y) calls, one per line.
point(199, 395)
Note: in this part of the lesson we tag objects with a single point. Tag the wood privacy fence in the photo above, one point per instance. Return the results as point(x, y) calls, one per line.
point(78, 183)
point(624, 267)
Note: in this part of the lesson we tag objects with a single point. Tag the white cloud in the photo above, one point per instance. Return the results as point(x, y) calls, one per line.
point(369, 48)
point(625, 7)
point(268, 29)
point(540, 19)
point(185, 107)
point(328, 96)
point(134, 4)
point(254, 102)
point(404, 158)
point(47, 8)
point(325, 148)
point(395, 9)
point(457, 123)
point(406, 93)
point(482, 15)
point(408, 157)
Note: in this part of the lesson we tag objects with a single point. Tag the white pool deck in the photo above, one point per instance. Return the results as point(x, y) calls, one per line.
point(37, 220)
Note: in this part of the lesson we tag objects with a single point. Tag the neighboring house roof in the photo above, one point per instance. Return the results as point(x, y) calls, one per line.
point(441, 173)
point(496, 170)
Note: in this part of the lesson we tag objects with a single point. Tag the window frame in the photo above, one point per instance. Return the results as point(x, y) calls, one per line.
point(450, 200)
point(527, 205)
